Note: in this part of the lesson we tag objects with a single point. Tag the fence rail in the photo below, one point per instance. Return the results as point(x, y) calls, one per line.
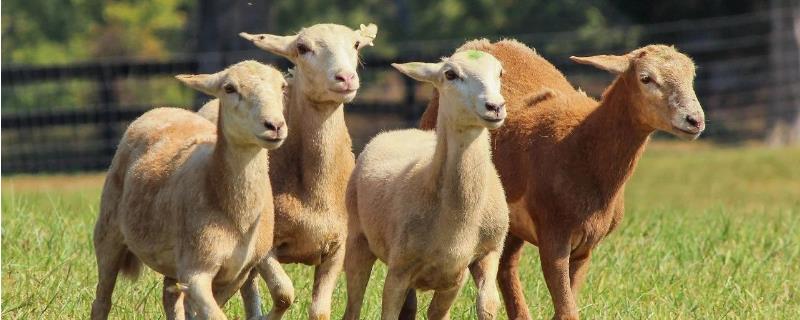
point(737, 82)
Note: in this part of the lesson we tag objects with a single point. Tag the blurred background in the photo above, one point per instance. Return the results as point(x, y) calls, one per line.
point(75, 73)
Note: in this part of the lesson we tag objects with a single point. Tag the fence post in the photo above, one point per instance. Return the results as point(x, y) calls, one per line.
point(108, 105)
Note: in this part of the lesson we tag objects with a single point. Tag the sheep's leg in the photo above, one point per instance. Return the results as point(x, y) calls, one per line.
point(251, 298)
point(443, 300)
point(554, 253)
point(394, 292)
point(325, 276)
point(578, 266)
point(357, 267)
point(484, 271)
point(201, 296)
point(110, 254)
point(409, 311)
point(279, 285)
point(508, 279)
point(172, 298)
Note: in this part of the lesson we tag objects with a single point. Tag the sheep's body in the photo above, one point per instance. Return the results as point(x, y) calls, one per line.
point(185, 197)
point(310, 171)
point(566, 158)
point(399, 193)
point(431, 206)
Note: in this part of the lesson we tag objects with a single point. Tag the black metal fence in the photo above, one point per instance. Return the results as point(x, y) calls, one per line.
point(748, 82)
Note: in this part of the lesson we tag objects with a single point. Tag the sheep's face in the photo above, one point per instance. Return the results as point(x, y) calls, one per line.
point(251, 102)
point(662, 81)
point(325, 58)
point(470, 82)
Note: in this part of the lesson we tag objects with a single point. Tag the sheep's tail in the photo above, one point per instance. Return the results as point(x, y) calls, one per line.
point(130, 266)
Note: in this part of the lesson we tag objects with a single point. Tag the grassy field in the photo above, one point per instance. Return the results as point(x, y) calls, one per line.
point(709, 233)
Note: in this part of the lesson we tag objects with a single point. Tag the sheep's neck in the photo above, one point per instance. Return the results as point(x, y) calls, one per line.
point(459, 167)
point(614, 137)
point(237, 178)
point(318, 141)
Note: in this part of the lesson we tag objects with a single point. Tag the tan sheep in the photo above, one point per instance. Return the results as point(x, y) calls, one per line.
point(431, 205)
point(310, 171)
point(564, 158)
point(192, 200)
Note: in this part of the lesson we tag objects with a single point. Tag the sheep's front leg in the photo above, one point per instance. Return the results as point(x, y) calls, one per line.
point(325, 276)
point(554, 252)
point(484, 272)
point(279, 285)
point(443, 300)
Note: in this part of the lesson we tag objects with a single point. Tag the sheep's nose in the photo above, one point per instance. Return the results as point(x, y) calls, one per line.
point(345, 76)
point(274, 125)
point(696, 122)
point(495, 107)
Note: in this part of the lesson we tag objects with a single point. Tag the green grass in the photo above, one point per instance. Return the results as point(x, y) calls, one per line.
point(709, 233)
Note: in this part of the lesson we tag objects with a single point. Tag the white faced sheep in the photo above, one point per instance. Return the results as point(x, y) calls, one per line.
point(566, 157)
point(310, 171)
point(192, 200)
point(431, 205)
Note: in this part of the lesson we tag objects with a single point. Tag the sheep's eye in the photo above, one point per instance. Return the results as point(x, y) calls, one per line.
point(501, 73)
point(303, 49)
point(645, 79)
point(358, 43)
point(229, 88)
point(450, 75)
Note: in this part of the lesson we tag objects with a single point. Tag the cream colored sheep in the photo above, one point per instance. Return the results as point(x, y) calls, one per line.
point(431, 205)
point(310, 171)
point(192, 200)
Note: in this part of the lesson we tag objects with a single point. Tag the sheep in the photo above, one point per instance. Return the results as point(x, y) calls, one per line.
point(566, 157)
point(310, 171)
point(192, 200)
point(431, 205)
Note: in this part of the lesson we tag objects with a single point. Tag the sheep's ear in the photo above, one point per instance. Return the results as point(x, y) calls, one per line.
point(207, 83)
point(421, 71)
point(366, 35)
point(610, 63)
point(280, 45)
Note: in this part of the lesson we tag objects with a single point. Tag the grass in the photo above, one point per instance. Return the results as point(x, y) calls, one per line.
point(709, 233)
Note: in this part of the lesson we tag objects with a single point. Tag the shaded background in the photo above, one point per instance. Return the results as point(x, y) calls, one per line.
point(75, 73)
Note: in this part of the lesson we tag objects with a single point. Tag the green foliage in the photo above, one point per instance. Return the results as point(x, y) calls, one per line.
point(709, 233)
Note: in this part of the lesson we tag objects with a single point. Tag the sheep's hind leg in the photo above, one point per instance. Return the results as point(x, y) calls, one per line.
point(111, 254)
point(279, 285)
point(357, 267)
point(201, 296)
point(508, 279)
point(443, 300)
point(484, 271)
point(251, 297)
point(173, 298)
point(325, 276)
point(578, 266)
point(394, 292)
point(409, 311)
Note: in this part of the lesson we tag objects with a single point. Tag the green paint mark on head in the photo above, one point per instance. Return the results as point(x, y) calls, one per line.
point(474, 54)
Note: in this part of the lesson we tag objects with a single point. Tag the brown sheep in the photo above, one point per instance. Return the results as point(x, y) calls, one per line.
point(187, 198)
point(564, 158)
